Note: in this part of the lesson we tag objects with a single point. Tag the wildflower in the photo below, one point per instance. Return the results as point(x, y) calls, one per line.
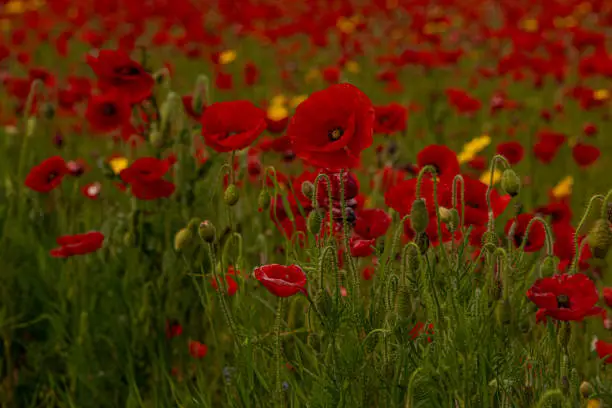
point(585, 155)
point(108, 111)
point(145, 178)
point(473, 147)
point(361, 248)
point(563, 188)
point(47, 175)
point(372, 223)
point(280, 280)
point(536, 237)
point(197, 349)
point(230, 126)
point(92, 190)
point(443, 159)
point(512, 151)
point(232, 286)
point(79, 244)
point(390, 118)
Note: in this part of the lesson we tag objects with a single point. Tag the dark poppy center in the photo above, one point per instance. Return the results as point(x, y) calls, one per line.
point(109, 109)
point(335, 134)
point(128, 70)
point(563, 302)
point(51, 176)
point(518, 240)
point(228, 135)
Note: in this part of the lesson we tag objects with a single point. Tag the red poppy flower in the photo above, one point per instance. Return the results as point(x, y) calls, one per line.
point(548, 145)
point(78, 244)
point(512, 151)
point(390, 177)
point(197, 349)
point(280, 280)
point(332, 127)
point(108, 111)
point(232, 286)
point(331, 75)
point(585, 155)
point(442, 158)
point(189, 108)
point(607, 295)
point(230, 126)
point(563, 248)
point(462, 101)
point(368, 272)
point(361, 248)
point(115, 69)
point(559, 211)
point(419, 329)
point(173, 330)
point(251, 73)
point(604, 351)
point(278, 126)
point(92, 190)
point(372, 223)
point(565, 297)
point(535, 239)
point(145, 178)
point(478, 163)
point(590, 129)
point(390, 118)
point(47, 175)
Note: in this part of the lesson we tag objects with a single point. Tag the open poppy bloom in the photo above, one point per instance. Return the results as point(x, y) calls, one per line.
point(512, 151)
point(536, 237)
point(565, 297)
point(78, 244)
point(443, 159)
point(332, 127)
point(361, 248)
point(280, 280)
point(47, 175)
point(197, 350)
point(234, 125)
point(145, 178)
point(604, 351)
point(108, 111)
point(372, 223)
point(390, 118)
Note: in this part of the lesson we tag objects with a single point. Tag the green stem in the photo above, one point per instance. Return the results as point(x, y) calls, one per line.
point(497, 158)
point(278, 352)
point(573, 266)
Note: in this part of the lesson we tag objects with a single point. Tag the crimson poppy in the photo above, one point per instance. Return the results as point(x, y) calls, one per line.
point(281, 280)
point(462, 101)
point(224, 81)
point(234, 125)
point(390, 118)
point(442, 158)
point(232, 286)
point(116, 70)
point(197, 350)
point(478, 163)
point(173, 329)
point(145, 178)
point(372, 223)
point(108, 111)
point(361, 248)
point(589, 129)
point(564, 249)
point(331, 75)
point(565, 297)
point(47, 175)
point(559, 211)
point(604, 351)
point(189, 107)
point(607, 295)
point(332, 127)
point(585, 155)
point(537, 234)
point(419, 329)
point(368, 272)
point(79, 244)
point(512, 151)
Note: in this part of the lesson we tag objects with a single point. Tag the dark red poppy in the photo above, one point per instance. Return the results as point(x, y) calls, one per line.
point(78, 244)
point(278, 126)
point(512, 151)
point(372, 223)
point(585, 155)
point(224, 81)
point(442, 158)
point(230, 126)
point(563, 248)
point(232, 286)
point(115, 69)
point(108, 111)
point(419, 329)
point(332, 127)
point(604, 351)
point(368, 272)
point(145, 178)
point(478, 163)
point(589, 129)
point(361, 248)
point(197, 350)
point(548, 145)
point(190, 108)
point(251, 73)
point(47, 175)
point(390, 118)
point(331, 75)
point(607, 295)
point(535, 239)
point(173, 330)
point(462, 101)
point(565, 297)
point(281, 280)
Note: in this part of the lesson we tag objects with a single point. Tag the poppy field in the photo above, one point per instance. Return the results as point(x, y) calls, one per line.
point(309, 203)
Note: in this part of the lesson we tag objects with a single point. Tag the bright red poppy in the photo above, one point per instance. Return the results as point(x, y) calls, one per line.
point(281, 280)
point(361, 248)
point(390, 118)
point(234, 125)
point(79, 244)
point(108, 111)
point(442, 158)
point(47, 175)
point(534, 240)
point(513, 151)
point(145, 178)
point(197, 350)
point(585, 155)
point(372, 223)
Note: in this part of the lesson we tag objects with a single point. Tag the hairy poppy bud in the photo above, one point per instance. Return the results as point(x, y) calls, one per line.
point(419, 217)
point(548, 267)
point(586, 389)
point(168, 111)
point(510, 182)
point(314, 222)
point(403, 301)
point(565, 333)
point(183, 239)
point(489, 241)
point(231, 195)
point(445, 215)
point(207, 231)
point(600, 238)
point(264, 200)
point(454, 220)
point(413, 259)
point(200, 93)
point(422, 241)
point(503, 312)
point(308, 189)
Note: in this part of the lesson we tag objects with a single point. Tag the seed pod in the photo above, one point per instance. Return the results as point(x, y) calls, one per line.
point(207, 231)
point(548, 267)
point(600, 238)
point(264, 200)
point(510, 182)
point(194, 224)
point(314, 222)
point(231, 195)
point(308, 189)
point(422, 241)
point(183, 239)
point(419, 217)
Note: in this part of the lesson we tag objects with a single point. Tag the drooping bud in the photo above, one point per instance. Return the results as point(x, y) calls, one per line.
point(419, 217)
point(510, 182)
point(156, 138)
point(586, 389)
point(183, 239)
point(489, 241)
point(168, 111)
point(548, 267)
point(207, 231)
point(200, 94)
point(600, 238)
point(264, 200)
point(413, 259)
point(308, 189)
point(315, 219)
point(231, 195)
point(403, 301)
point(422, 241)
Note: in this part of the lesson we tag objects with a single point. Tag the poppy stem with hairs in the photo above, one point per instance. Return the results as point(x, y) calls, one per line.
point(497, 158)
point(278, 352)
point(574, 264)
point(345, 230)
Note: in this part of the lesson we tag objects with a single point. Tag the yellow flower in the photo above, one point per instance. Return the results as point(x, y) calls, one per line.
point(473, 147)
point(118, 163)
point(227, 57)
point(345, 25)
point(571, 142)
point(564, 188)
point(594, 403)
point(278, 100)
point(352, 67)
point(15, 7)
point(277, 112)
point(601, 94)
point(486, 177)
point(530, 25)
point(296, 100)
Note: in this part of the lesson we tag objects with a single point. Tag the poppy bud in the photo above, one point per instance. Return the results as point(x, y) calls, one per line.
point(548, 267)
point(48, 111)
point(264, 200)
point(503, 312)
point(194, 224)
point(445, 215)
point(586, 389)
point(183, 239)
point(489, 241)
point(314, 222)
point(207, 231)
point(308, 189)
point(403, 301)
point(323, 302)
point(454, 220)
point(510, 182)
point(422, 241)
point(231, 195)
point(413, 259)
point(168, 110)
point(419, 217)
point(609, 212)
point(156, 138)
point(31, 126)
point(200, 92)
point(600, 238)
